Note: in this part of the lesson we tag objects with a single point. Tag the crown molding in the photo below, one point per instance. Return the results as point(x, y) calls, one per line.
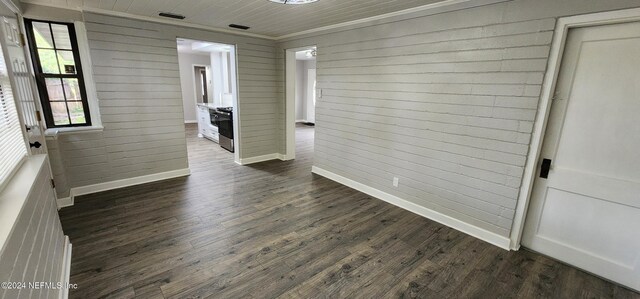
point(12, 6)
point(375, 18)
point(442, 6)
point(149, 19)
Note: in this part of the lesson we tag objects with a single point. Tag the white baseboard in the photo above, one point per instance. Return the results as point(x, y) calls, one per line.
point(301, 120)
point(117, 184)
point(65, 276)
point(258, 159)
point(64, 202)
point(287, 157)
point(195, 121)
point(480, 233)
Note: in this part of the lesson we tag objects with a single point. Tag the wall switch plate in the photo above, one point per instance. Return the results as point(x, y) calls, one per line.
point(395, 181)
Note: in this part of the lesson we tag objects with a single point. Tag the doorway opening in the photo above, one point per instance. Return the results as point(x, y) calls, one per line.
point(202, 83)
point(208, 79)
point(301, 98)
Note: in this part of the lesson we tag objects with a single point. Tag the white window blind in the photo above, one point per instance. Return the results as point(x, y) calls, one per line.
point(12, 144)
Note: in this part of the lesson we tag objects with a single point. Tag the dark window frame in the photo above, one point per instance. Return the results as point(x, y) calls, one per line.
point(42, 76)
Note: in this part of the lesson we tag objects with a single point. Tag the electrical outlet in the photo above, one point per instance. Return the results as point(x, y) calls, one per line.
point(395, 181)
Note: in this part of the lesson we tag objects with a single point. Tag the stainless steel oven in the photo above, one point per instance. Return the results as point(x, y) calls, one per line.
point(223, 119)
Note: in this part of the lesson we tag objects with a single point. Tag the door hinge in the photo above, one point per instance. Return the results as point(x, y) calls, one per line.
point(38, 116)
point(53, 184)
point(23, 41)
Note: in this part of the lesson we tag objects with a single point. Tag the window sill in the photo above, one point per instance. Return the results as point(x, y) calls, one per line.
point(15, 194)
point(54, 132)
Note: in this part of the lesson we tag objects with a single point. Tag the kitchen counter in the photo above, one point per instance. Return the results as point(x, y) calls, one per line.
point(205, 127)
point(207, 105)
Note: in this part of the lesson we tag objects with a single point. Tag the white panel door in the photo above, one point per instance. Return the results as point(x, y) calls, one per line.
point(587, 212)
point(311, 96)
point(22, 82)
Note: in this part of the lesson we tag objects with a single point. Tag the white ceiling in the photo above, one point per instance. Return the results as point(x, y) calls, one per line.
point(264, 17)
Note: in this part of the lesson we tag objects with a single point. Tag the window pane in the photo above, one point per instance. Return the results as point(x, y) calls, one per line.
point(48, 61)
point(67, 64)
point(77, 113)
point(72, 89)
point(57, 73)
point(54, 89)
point(59, 111)
point(42, 35)
point(61, 36)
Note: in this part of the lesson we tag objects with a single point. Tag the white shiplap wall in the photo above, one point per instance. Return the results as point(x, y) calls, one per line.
point(33, 251)
point(446, 102)
point(135, 67)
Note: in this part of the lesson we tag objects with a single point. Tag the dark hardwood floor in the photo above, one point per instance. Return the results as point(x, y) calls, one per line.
point(274, 229)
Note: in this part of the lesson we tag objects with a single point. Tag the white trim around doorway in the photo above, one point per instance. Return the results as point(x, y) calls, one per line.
point(553, 67)
point(290, 101)
point(237, 136)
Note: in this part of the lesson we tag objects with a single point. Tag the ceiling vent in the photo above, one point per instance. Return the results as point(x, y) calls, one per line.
point(171, 15)
point(239, 26)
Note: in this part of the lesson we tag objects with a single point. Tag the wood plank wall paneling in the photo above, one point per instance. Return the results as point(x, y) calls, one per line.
point(446, 102)
point(58, 168)
point(135, 68)
point(34, 250)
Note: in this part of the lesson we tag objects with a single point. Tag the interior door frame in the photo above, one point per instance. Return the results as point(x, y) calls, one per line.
point(237, 135)
point(311, 96)
point(290, 100)
point(544, 106)
point(193, 75)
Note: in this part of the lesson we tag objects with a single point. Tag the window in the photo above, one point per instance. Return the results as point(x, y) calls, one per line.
point(54, 51)
point(13, 147)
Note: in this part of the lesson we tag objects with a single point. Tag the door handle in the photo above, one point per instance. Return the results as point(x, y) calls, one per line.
point(544, 168)
point(35, 144)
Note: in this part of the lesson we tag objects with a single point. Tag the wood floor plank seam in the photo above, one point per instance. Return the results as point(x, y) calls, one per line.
point(275, 230)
